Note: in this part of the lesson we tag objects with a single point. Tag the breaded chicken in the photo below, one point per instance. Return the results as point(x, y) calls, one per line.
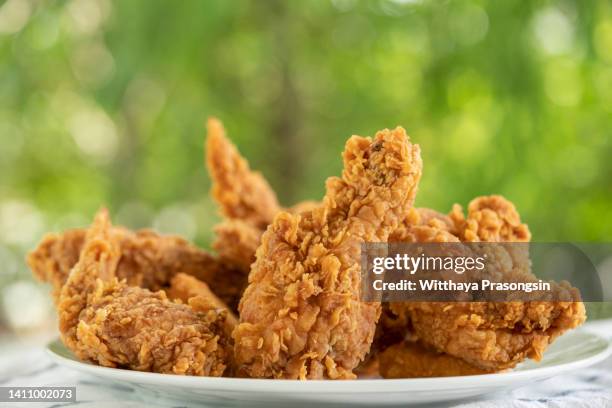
point(301, 315)
point(490, 219)
point(248, 204)
point(242, 193)
point(148, 259)
point(488, 335)
point(105, 321)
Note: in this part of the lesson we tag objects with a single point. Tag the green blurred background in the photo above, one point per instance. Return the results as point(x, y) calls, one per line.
point(104, 103)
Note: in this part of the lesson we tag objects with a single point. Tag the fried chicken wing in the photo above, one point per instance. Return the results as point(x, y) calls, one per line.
point(147, 259)
point(105, 321)
point(301, 316)
point(490, 336)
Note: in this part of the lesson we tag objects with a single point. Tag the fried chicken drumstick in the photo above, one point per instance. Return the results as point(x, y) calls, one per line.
point(105, 321)
point(301, 316)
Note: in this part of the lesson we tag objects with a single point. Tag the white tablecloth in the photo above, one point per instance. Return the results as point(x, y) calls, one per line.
point(590, 387)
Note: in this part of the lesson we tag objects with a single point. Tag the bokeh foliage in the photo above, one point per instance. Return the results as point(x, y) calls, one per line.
point(104, 103)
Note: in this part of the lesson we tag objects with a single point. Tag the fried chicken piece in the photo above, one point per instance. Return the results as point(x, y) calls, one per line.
point(147, 259)
point(105, 321)
point(55, 256)
point(490, 219)
point(301, 315)
point(490, 335)
point(248, 205)
point(185, 287)
point(242, 193)
point(412, 360)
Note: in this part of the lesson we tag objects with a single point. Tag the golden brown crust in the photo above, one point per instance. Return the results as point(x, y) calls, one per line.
point(488, 335)
point(301, 316)
point(242, 193)
point(490, 219)
point(147, 259)
point(55, 256)
point(108, 322)
point(412, 360)
point(183, 287)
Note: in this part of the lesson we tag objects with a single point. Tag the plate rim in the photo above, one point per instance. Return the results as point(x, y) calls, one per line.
point(352, 386)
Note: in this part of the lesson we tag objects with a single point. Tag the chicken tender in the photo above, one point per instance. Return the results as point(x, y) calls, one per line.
point(301, 315)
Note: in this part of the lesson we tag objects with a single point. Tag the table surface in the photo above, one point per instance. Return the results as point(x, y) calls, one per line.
point(24, 363)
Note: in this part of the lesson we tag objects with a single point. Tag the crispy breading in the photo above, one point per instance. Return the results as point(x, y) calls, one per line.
point(54, 257)
point(183, 287)
point(148, 259)
point(490, 219)
point(248, 204)
point(242, 193)
point(110, 323)
point(301, 315)
point(489, 335)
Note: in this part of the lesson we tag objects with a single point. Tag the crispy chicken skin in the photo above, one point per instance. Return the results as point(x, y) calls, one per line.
point(108, 322)
point(242, 193)
point(488, 335)
point(301, 316)
point(147, 259)
point(490, 219)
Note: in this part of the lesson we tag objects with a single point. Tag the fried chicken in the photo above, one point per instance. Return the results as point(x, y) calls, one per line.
point(248, 204)
point(242, 193)
point(412, 360)
point(490, 219)
point(148, 260)
point(490, 336)
point(301, 315)
point(108, 322)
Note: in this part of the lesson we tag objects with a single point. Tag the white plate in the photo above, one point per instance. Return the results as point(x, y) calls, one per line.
point(571, 352)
